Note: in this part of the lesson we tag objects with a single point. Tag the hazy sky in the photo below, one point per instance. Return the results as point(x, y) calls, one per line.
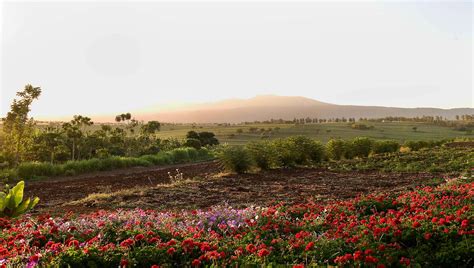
point(113, 57)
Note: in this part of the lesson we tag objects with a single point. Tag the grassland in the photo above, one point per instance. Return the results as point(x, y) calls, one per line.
point(400, 131)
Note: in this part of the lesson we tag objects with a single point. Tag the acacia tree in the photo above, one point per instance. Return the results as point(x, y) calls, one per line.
point(130, 123)
point(151, 127)
point(17, 126)
point(75, 130)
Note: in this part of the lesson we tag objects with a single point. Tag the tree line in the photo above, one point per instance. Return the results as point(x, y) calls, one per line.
point(22, 141)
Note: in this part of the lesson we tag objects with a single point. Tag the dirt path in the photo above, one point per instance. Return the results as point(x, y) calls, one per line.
point(204, 188)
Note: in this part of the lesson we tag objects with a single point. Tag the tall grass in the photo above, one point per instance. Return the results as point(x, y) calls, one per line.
point(28, 170)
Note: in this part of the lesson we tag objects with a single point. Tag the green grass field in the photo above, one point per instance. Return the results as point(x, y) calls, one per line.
point(400, 131)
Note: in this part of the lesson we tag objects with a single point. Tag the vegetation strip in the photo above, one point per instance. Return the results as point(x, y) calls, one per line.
point(425, 227)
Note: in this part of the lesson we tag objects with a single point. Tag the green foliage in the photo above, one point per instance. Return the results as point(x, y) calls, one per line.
point(285, 154)
point(307, 150)
point(438, 159)
point(381, 147)
point(12, 203)
point(263, 153)
point(17, 126)
point(336, 148)
point(360, 147)
point(418, 145)
point(151, 127)
point(236, 159)
point(46, 169)
point(193, 142)
point(298, 150)
point(35, 169)
point(205, 138)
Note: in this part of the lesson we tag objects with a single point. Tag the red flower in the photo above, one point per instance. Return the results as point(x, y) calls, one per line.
point(416, 224)
point(124, 263)
point(251, 248)
point(34, 258)
point(298, 266)
point(309, 246)
point(196, 263)
point(126, 243)
point(263, 252)
point(155, 266)
point(358, 255)
point(428, 236)
point(73, 243)
point(371, 259)
point(464, 223)
point(205, 246)
point(139, 237)
point(171, 251)
point(405, 261)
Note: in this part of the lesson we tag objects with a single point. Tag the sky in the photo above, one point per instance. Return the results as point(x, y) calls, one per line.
point(111, 57)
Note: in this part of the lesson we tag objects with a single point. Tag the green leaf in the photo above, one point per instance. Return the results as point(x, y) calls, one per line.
point(33, 203)
point(22, 208)
point(17, 194)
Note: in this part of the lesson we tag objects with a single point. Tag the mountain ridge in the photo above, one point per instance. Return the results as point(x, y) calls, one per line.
point(265, 107)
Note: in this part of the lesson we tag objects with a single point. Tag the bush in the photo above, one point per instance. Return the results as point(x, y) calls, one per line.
point(285, 153)
point(336, 149)
point(192, 153)
point(360, 147)
point(192, 142)
point(381, 147)
point(35, 169)
point(236, 159)
point(307, 150)
point(180, 155)
point(416, 145)
point(263, 153)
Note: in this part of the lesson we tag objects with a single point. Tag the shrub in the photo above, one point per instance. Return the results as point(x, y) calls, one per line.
point(205, 154)
point(154, 159)
point(35, 169)
point(192, 142)
point(307, 150)
point(12, 203)
point(180, 155)
point(205, 138)
point(285, 153)
point(263, 153)
point(380, 147)
point(192, 153)
point(336, 148)
point(360, 147)
point(236, 159)
point(416, 145)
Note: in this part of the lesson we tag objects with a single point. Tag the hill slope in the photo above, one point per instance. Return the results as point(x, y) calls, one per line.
point(267, 107)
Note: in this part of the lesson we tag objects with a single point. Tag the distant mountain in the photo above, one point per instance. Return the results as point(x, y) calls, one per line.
point(285, 107)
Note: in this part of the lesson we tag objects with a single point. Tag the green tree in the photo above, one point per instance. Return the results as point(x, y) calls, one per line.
point(17, 126)
point(151, 127)
point(75, 131)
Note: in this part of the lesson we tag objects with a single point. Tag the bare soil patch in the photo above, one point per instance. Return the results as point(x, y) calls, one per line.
point(204, 186)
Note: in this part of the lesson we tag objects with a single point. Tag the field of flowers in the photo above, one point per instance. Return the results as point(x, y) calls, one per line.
point(427, 227)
